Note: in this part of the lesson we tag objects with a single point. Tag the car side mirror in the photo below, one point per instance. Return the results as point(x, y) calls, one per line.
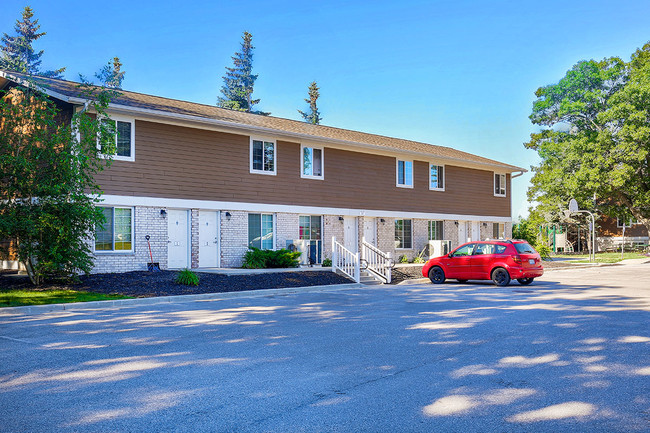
point(450, 255)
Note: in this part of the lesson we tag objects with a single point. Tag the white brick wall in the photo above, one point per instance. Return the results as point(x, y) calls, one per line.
point(148, 221)
point(332, 227)
point(287, 228)
point(194, 240)
point(234, 238)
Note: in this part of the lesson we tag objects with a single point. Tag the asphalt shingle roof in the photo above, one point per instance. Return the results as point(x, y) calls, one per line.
point(237, 118)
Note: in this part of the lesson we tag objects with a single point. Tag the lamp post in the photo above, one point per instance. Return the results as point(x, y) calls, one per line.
point(573, 208)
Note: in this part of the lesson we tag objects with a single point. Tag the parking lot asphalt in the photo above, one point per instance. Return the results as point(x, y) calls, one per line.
point(571, 352)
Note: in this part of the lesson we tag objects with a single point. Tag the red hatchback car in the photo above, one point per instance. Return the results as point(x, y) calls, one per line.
point(498, 260)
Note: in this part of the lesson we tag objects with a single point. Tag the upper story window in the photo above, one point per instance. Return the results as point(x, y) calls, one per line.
point(436, 177)
point(120, 138)
point(116, 234)
point(263, 156)
point(499, 185)
point(404, 174)
point(629, 223)
point(312, 162)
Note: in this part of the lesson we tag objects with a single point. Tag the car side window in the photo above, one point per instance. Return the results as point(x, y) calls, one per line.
point(499, 249)
point(463, 251)
point(484, 249)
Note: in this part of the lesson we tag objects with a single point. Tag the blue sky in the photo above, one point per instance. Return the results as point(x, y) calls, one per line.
point(454, 73)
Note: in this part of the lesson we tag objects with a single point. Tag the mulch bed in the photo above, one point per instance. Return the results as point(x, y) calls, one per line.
point(143, 284)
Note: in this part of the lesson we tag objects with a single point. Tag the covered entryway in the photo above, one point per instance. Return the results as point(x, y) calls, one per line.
point(209, 237)
point(178, 251)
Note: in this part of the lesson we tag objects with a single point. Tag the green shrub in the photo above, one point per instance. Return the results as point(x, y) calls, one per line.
point(544, 251)
point(418, 259)
point(327, 263)
point(187, 278)
point(403, 258)
point(262, 259)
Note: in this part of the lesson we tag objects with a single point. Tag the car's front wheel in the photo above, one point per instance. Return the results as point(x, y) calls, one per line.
point(525, 281)
point(437, 275)
point(500, 277)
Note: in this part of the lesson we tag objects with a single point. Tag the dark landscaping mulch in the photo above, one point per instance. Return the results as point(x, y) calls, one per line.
point(143, 284)
point(400, 274)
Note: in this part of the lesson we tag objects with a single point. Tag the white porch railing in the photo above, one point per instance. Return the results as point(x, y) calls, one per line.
point(345, 261)
point(378, 262)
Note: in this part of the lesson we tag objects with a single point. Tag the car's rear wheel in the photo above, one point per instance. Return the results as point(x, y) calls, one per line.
point(525, 281)
point(461, 281)
point(437, 275)
point(500, 277)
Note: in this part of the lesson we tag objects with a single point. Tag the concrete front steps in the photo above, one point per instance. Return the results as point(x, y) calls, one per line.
point(368, 279)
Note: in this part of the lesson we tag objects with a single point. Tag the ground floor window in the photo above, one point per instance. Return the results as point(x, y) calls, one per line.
point(403, 234)
point(498, 230)
point(435, 231)
point(310, 231)
point(260, 231)
point(116, 233)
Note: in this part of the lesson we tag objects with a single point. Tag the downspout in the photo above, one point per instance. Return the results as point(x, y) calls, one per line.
point(512, 176)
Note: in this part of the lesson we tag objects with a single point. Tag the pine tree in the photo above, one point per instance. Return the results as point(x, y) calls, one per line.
point(17, 53)
point(237, 89)
point(313, 115)
point(111, 75)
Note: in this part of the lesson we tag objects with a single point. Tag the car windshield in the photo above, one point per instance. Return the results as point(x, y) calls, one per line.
point(524, 248)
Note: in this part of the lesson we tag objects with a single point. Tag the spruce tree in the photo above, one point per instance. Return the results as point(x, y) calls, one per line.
point(111, 75)
point(17, 53)
point(237, 89)
point(313, 115)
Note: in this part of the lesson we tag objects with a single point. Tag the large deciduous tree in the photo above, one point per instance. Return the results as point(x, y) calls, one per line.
point(595, 140)
point(238, 83)
point(313, 115)
point(48, 196)
point(17, 53)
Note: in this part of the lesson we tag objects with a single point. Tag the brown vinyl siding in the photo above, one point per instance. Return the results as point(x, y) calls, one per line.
point(186, 163)
point(607, 227)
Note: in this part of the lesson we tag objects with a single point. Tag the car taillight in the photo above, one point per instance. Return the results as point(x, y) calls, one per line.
point(516, 259)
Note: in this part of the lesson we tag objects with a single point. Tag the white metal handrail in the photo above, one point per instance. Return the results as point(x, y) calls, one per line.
point(345, 261)
point(378, 262)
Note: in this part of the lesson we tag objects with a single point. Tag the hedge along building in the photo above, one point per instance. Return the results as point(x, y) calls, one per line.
point(205, 183)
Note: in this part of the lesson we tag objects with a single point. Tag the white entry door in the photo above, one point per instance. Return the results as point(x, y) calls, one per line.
point(370, 230)
point(350, 234)
point(178, 251)
point(209, 251)
point(476, 231)
point(462, 232)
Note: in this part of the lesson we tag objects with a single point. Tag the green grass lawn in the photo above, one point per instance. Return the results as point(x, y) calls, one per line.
point(17, 298)
point(602, 257)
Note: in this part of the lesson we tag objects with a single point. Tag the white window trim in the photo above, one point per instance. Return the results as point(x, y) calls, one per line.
point(273, 219)
point(442, 235)
point(113, 251)
point(275, 156)
point(494, 184)
point(126, 119)
point(403, 219)
point(444, 177)
point(397, 161)
point(631, 222)
point(302, 162)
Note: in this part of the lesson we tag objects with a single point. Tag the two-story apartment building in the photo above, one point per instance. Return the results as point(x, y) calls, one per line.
point(205, 183)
